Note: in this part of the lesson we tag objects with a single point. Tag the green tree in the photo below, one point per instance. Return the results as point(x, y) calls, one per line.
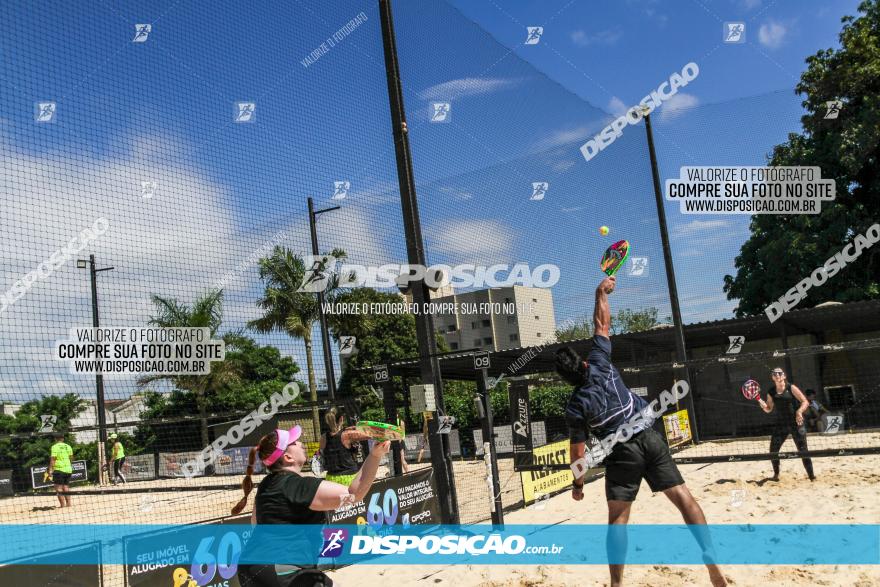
point(261, 371)
point(288, 310)
point(20, 445)
point(625, 320)
point(206, 312)
point(782, 250)
point(382, 338)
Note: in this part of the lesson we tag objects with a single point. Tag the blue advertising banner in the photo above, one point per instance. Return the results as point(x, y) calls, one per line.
point(220, 548)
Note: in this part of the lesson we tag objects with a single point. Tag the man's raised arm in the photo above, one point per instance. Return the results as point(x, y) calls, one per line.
point(602, 311)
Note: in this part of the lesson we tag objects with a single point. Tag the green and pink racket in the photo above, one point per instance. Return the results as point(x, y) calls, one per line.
point(614, 258)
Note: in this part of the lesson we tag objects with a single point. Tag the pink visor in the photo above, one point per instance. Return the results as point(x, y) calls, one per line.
point(285, 439)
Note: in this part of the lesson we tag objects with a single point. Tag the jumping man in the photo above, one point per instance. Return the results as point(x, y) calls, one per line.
point(602, 404)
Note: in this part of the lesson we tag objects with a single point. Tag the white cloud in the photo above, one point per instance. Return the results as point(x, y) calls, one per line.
point(472, 241)
point(606, 37)
point(561, 166)
point(750, 4)
point(772, 34)
point(455, 193)
point(178, 244)
point(565, 136)
point(677, 105)
point(616, 106)
point(699, 226)
point(469, 86)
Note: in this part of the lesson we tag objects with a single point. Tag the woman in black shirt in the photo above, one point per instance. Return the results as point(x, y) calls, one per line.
point(285, 496)
point(790, 404)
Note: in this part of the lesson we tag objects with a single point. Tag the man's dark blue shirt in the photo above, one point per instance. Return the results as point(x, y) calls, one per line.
point(603, 404)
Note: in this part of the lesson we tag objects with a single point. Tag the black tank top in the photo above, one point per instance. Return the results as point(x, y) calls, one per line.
point(785, 404)
point(338, 460)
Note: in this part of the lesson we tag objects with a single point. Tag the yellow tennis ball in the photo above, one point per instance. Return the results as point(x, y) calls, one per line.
point(603, 230)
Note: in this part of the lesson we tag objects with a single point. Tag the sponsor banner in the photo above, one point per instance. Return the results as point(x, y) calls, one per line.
point(80, 473)
point(206, 557)
point(540, 483)
point(521, 419)
point(678, 428)
point(210, 554)
point(233, 461)
point(403, 501)
point(47, 570)
point(504, 438)
point(6, 483)
point(171, 463)
point(416, 444)
point(139, 467)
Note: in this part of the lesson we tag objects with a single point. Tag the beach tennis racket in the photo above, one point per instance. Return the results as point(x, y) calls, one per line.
point(751, 389)
point(379, 431)
point(614, 258)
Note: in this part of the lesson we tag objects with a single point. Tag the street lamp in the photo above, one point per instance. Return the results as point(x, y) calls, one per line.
point(325, 334)
point(99, 377)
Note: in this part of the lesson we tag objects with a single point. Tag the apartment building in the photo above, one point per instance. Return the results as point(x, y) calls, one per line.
point(531, 323)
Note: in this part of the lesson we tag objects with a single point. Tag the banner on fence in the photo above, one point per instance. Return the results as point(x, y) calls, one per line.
point(171, 463)
point(521, 417)
point(139, 467)
point(80, 473)
point(678, 428)
point(6, 483)
point(409, 499)
point(538, 483)
point(504, 438)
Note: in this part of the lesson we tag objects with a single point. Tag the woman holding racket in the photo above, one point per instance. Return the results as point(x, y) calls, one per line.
point(789, 403)
point(286, 496)
point(338, 448)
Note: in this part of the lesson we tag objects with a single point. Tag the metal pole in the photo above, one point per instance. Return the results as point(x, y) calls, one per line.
point(678, 331)
point(325, 334)
point(429, 366)
point(99, 378)
point(489, 438)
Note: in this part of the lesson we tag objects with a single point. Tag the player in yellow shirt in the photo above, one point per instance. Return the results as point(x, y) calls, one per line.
point(61, 468)
point(118, 458)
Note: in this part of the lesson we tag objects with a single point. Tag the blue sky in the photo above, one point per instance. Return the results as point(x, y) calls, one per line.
point(162, 111)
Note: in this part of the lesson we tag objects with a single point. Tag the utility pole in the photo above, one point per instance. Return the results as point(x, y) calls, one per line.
point(428, 365)
point(99, 377)
point(681, 372)
point(325, 333)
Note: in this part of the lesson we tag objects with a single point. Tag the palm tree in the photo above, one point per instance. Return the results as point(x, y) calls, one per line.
point(206, 312)
point(285, 309)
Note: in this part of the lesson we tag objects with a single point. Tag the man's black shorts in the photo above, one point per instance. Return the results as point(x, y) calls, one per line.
point(59, 478)
point(645, 455)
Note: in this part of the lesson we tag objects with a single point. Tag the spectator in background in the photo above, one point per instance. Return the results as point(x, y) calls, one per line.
point(338, 448)
point(814, 411)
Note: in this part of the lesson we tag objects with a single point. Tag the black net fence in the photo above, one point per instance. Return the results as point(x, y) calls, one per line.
point(157, 168)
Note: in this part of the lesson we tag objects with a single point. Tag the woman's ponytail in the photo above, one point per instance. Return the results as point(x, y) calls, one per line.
point(247, 483)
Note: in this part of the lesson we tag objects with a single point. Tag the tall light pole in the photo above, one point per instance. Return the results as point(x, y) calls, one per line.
point(99, 377)
point(325, 333)
point(429, 366)
point(682, 372)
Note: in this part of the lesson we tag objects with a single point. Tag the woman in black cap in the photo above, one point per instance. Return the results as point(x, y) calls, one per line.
point(790, 404)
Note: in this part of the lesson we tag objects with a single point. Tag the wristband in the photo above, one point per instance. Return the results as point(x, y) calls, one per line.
point(576, 484)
